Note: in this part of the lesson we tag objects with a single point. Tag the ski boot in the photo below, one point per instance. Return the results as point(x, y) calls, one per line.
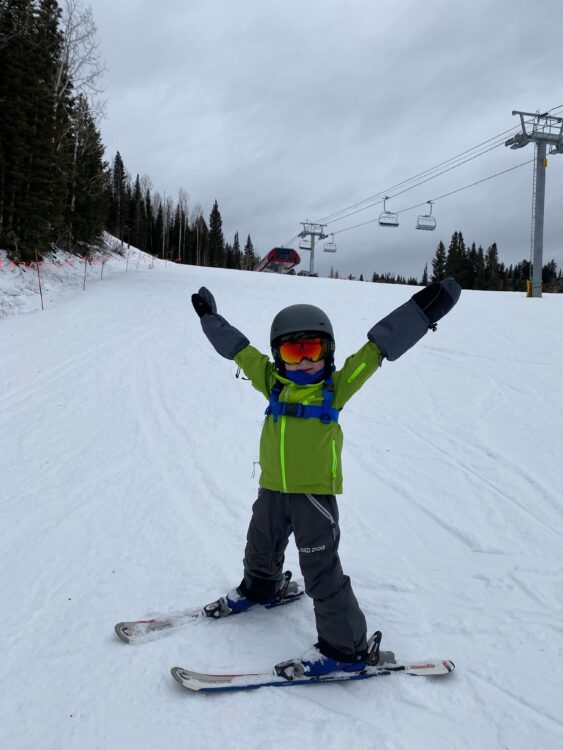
point(235, 602)
point(315, 664)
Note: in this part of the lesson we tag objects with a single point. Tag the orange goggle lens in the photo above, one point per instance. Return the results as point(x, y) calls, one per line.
point(293, 352)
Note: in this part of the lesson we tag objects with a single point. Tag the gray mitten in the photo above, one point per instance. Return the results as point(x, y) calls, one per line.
point(401, 329)
point(204, 302)
point(225, 338)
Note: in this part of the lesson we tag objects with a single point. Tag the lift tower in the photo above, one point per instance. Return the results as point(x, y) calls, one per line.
point(545, 131)
point(313, 231)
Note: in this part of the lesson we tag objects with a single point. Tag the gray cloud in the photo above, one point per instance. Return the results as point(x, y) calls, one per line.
point(289, 112)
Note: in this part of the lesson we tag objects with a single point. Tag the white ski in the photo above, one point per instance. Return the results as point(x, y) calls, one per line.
point(205, 683)
point(141, 631)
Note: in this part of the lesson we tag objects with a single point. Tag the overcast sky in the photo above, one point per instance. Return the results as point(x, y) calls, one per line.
point(290, 111)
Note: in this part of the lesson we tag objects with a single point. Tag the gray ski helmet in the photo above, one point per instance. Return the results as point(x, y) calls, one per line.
point(299, 318)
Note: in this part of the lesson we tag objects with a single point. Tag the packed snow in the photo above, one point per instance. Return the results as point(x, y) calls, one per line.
point(127, 452)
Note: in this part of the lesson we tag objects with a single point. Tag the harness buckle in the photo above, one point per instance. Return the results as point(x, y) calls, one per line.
point(325, 413)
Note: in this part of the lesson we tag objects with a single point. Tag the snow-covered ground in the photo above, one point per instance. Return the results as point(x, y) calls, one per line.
point(126, 458)
point(60, 274)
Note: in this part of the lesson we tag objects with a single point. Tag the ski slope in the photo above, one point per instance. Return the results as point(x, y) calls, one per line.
point(126, 469)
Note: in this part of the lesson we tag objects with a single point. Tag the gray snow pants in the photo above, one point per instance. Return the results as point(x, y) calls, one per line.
point(313, 519)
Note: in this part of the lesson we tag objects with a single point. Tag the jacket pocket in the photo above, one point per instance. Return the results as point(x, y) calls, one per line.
point(324, 511)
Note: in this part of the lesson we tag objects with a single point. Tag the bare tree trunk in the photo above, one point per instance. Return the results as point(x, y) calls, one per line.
point(81, 67)
point(183, 198)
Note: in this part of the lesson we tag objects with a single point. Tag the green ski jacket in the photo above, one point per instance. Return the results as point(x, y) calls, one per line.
point(305, 455)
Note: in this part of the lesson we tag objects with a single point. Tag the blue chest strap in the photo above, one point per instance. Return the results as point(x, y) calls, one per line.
point(325, 412)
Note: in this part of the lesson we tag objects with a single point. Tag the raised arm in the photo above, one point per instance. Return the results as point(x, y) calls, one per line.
point(227, 340)
point(401, 329)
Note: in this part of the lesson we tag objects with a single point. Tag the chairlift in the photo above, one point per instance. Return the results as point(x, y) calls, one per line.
point(426, 221)
point(305, 243)
point(330, 247)
point(387, 218)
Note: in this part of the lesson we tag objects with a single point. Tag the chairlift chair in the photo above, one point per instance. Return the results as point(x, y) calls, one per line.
point(426, 221)
point(387, 218)
point(330, 247)
point(305, 243)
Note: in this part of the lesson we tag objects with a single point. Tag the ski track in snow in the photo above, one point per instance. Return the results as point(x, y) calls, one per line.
point(126, 456)
point(504, 466)
point(536, 713)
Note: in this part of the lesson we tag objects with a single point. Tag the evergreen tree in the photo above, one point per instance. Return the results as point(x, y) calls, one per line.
point(424, 281)
point(480, 269)
point(439, 263)
point(216, 242)
point(249, 258)
point(118, 203)
point(51, 147)
point(174, 235)
point(455, 261)
point(191, 238)
point(138, 215)
point(201, 244)
point(87, 203)
point(491, 268)
point(472, 266)
point(32, 177)
point(521, 275)
point(549, 272)
point(229, 259)
point(146, 238)
point(16, 83)
point(237, 253)
point(53, 184)
point(127, 213)
point(158, 232)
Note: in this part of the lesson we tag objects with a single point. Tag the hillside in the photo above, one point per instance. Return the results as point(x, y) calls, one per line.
point(126, 459)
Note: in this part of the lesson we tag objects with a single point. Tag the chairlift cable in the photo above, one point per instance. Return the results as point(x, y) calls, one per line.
point(331, 217)
point(422, 182)
point(425, 172)
point(286, 244)
point(477, 182)
point(422, 174)
point(445, 195)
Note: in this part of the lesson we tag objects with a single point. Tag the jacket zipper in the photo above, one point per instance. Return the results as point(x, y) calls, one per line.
point(282, 454)
point(334, 465)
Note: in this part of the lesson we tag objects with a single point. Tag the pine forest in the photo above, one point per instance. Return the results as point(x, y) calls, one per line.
point(57, 190)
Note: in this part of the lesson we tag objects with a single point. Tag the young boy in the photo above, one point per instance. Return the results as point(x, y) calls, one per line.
point(300, 457)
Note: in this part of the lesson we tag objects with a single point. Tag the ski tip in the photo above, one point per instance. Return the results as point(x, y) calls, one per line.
point(184, 678)
point(175, 672)
point(123, 632)
point(430, 668)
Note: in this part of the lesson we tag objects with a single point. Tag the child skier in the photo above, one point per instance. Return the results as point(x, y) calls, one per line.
point(300, 458)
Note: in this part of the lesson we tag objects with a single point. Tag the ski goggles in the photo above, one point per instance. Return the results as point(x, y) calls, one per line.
point(293, 352)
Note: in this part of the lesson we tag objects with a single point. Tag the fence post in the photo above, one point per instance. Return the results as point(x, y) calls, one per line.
point(39, 278)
